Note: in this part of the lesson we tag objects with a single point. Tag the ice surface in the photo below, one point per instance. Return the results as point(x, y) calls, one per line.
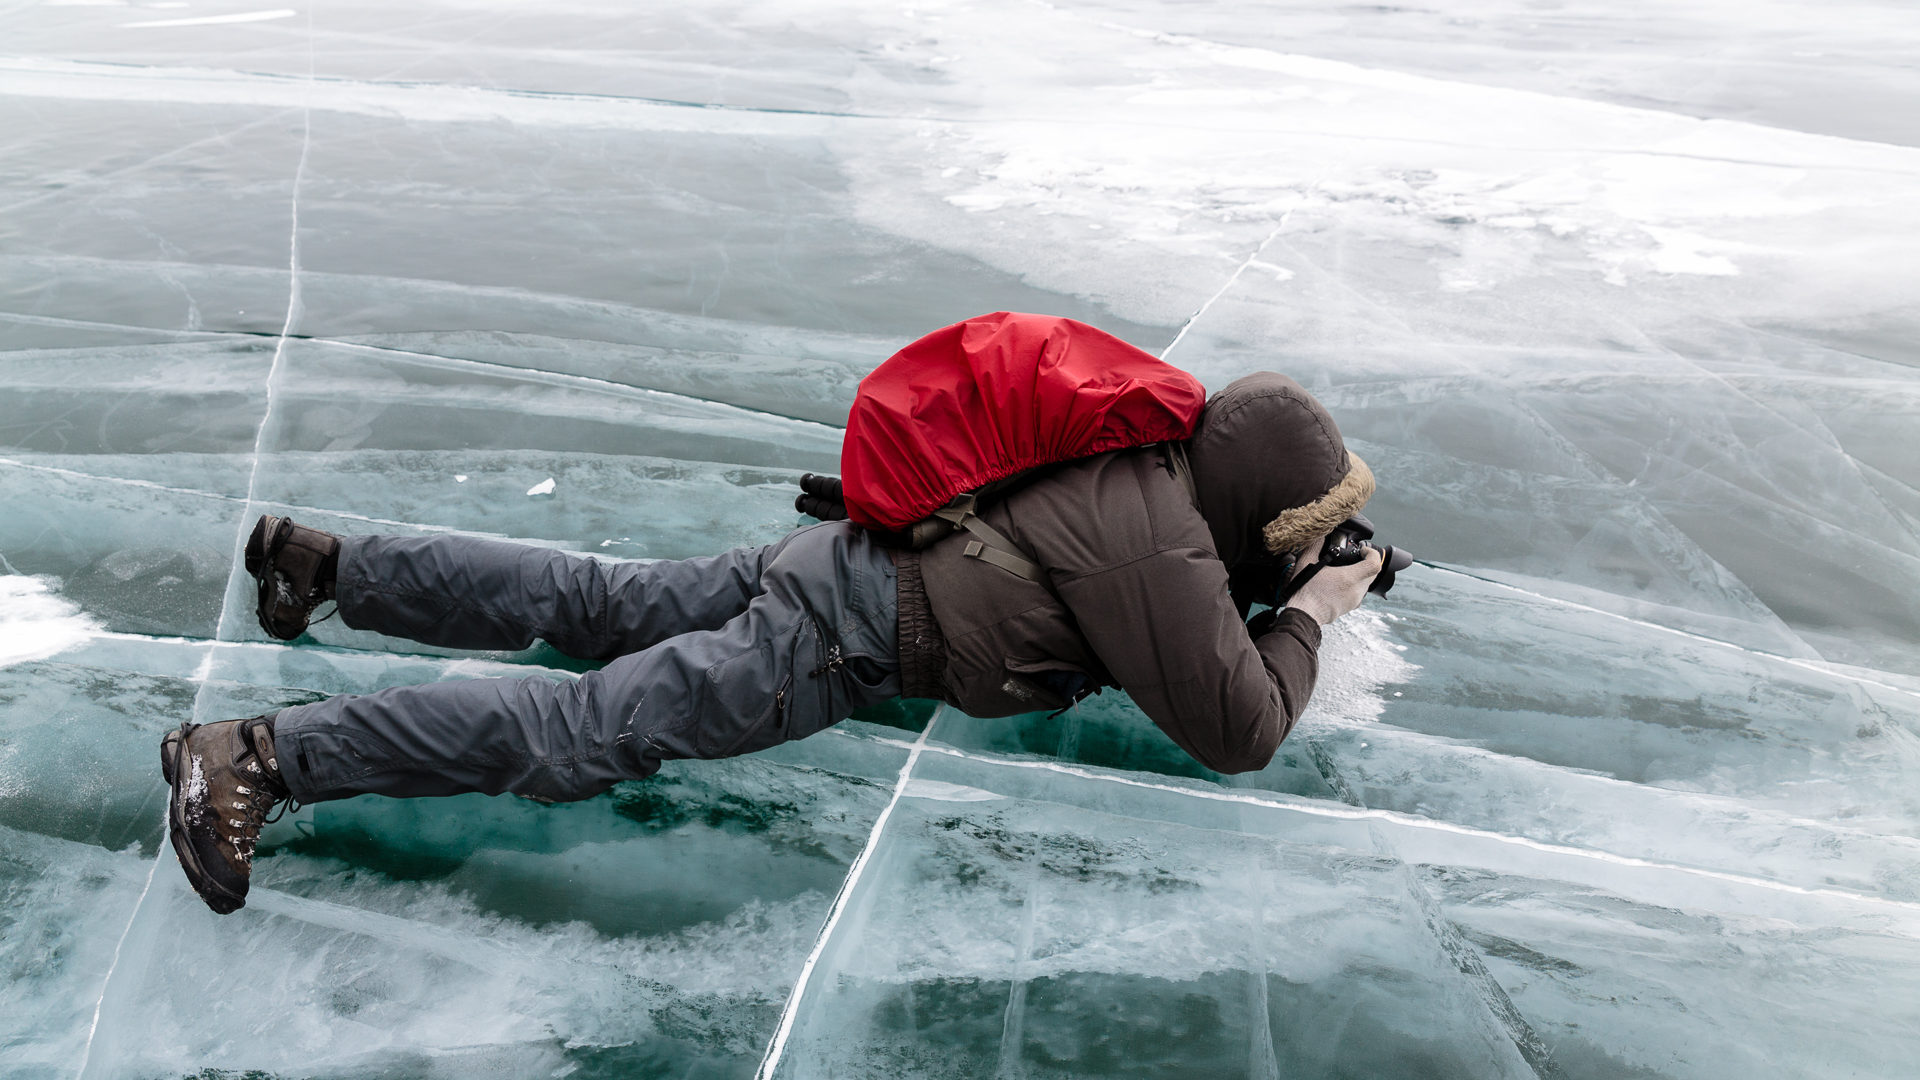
point(1618, 300)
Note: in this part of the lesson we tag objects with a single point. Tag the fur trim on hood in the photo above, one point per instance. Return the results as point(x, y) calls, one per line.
point(1294, 528)
point(1271, 469)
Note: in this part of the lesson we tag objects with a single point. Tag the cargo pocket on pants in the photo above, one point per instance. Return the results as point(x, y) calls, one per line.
point(748, 703)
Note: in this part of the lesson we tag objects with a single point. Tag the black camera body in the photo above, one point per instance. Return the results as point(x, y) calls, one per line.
point(1348, 544)
point(1272, 581)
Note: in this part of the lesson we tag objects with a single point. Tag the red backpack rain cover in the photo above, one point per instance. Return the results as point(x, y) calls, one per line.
point(995, 395)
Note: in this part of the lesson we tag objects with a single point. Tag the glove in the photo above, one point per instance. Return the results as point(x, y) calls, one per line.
point(821, 497)
point(1335, 590)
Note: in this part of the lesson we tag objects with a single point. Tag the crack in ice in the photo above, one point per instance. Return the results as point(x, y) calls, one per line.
point(1448, 937)
point(204, 674)
point(587, 382)
point(1822, 668)
point(201, 676)
point(1322, 809)
point(247, 501)
point(778, 1045)
point(1231, 278)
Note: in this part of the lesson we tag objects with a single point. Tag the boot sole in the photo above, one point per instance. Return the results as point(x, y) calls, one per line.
point(256, 549)
point(172, 748)
point(272, 618)
point(279, 627)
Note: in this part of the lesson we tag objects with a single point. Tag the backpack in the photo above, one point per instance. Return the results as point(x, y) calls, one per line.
point(973, 410)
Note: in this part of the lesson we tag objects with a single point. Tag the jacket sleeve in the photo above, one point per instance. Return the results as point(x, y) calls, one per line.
point(1168, 631)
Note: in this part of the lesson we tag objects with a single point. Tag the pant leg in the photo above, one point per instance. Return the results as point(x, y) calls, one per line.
point(467, 593)
point(816, 643)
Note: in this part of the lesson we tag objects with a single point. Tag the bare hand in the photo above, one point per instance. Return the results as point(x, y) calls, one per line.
point(1336, 590)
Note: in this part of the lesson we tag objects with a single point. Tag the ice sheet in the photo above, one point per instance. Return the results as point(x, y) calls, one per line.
point(1617, 300)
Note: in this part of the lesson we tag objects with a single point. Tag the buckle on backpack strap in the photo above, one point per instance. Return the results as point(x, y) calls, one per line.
point(1005, 560)
point(992, 546)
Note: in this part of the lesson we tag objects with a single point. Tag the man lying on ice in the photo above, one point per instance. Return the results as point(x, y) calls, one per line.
point(1132, 568)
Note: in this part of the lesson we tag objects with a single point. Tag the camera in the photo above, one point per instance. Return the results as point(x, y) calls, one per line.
point(1348, 543)
point(1272, 581)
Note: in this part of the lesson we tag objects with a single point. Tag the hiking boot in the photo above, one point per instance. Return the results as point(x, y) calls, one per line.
point(225, 781)
point(294, 568)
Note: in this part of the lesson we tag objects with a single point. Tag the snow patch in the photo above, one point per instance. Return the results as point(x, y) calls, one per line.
point(36, 622)
point(1357, 664)
point(197, 783)
point(544, 487)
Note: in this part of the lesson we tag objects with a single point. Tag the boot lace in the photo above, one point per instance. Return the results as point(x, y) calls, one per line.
point(267, 794)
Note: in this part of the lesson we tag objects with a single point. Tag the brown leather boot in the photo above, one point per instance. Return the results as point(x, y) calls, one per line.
point(225, 781)
point(293, 566)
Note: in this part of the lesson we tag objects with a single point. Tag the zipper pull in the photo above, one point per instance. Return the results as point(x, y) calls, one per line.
point(834, 662)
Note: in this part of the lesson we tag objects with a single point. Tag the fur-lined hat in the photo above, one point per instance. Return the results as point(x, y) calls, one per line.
point(1271, 469)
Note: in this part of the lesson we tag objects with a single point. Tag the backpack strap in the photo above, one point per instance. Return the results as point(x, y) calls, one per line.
point(991, 545)
point(1180, 468)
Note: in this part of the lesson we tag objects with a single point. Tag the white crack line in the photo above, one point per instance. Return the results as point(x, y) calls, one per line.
point(1342, 812)
point(196, 493)
point(1242, 268)
point(778, 1046)
point(1831, 670)
point(205, 673)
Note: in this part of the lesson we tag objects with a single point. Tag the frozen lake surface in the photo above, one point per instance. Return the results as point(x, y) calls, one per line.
point(1620, 300)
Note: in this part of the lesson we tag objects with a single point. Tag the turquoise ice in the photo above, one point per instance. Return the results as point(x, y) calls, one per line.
point(1618, 301)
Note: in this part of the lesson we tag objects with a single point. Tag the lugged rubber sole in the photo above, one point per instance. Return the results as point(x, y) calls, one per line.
point(256, 549)
point(279, 614)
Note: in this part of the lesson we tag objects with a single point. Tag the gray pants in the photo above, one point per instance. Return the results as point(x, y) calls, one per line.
point(710, 657)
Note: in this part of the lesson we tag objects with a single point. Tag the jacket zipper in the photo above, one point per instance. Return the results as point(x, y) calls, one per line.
point(833, 662)
point(836, 660)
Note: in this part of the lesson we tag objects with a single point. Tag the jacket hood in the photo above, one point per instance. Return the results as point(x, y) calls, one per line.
point(1271, 470)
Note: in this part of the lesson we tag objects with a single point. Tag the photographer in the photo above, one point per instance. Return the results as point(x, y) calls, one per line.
point(1146, 562)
